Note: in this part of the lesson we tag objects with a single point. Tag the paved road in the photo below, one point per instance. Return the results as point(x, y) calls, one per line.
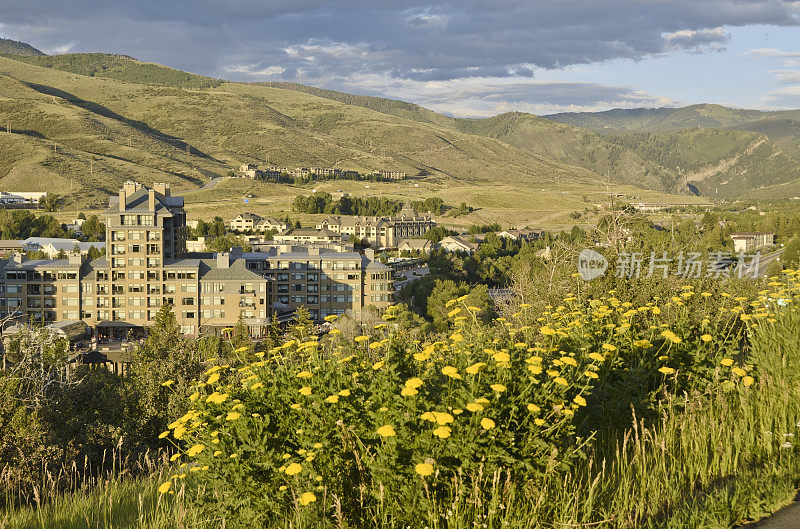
point(409, 276)
point(211, 183)
point(766, 260)
point(786, 518)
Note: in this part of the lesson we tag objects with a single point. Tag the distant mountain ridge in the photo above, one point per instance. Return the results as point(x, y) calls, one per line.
point(666, 119)
point(15, 47)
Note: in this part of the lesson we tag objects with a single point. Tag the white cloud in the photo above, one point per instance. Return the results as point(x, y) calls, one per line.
point(254, 70)
point(61, 48)
point(771, 52)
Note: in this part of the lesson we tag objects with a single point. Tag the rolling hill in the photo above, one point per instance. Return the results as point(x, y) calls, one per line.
point(86, 122)
point(14, 47)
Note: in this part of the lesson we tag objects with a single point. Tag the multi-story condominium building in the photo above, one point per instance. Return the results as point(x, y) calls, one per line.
point(380, 232)
point(324, 281)
point(146, 267)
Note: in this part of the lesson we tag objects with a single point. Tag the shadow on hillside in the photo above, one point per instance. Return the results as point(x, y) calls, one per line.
point(106, 112)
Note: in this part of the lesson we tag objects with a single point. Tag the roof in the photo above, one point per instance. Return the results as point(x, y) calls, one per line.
point(139, 200)
point(67, 245)
point(458, 241)
point(247, 216)
point(416, 243)
point(373, 265)
point(324, 232)
point(237, 271)
point(42, 264)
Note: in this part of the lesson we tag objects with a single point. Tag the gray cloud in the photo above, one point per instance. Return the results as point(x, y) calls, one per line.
point(416, 40)
point(353, 43)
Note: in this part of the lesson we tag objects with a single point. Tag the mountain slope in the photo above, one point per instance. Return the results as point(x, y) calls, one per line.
point(14, 47)
point(661, 119)
point(135, 128)
point(122, 67)
point(111, 117)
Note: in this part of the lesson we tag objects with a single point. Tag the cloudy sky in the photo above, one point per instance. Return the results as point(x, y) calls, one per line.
point(465, 58)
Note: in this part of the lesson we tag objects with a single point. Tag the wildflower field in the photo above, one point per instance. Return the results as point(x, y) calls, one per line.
point(592, 413)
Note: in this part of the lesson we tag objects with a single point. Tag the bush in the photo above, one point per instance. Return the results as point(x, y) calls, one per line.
point(385, 428)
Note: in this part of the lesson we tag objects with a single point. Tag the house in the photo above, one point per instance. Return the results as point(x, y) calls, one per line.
point(197, 246)
point(245, 221)
point(749, 241)
point(20, 197)
point(267, 224)
point(458, 243)
point(307, 236)
point(8, 247)
point(52, 246)
point(521, 235)
point(415, 246)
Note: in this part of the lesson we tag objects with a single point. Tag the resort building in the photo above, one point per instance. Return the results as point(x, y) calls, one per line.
point(380, 232)
point(146, 266)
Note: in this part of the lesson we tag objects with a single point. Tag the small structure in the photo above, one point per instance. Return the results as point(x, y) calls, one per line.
point(521, 235)
point(749, 241)
point(413, 246)
point(21, 197)
point(307, 236)
point(8, 247)
point(457, 243)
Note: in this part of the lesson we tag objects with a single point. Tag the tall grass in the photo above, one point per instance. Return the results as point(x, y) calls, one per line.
point(711, 460)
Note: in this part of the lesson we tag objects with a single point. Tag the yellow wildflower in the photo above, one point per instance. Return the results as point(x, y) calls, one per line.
point(451, 372)
point(307, 498)
point(386, 431)
point(476, 368)
point(164, 487)
point(442, 432)
point(423, 469)
point(487, 424)
point(293, 468)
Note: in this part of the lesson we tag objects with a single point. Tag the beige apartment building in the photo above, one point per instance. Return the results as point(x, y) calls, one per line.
point(380, 232)
point(146, 266)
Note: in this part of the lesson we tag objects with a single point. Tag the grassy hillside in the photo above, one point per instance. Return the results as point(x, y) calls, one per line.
point(89, 133)
point(679, 160)
point(122, 67)
point(14, 47)
point(660, 119)
point(90, 121)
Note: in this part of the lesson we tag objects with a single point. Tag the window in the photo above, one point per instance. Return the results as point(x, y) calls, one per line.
point(187, 314)
point(298, 299)
point(187, 301)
